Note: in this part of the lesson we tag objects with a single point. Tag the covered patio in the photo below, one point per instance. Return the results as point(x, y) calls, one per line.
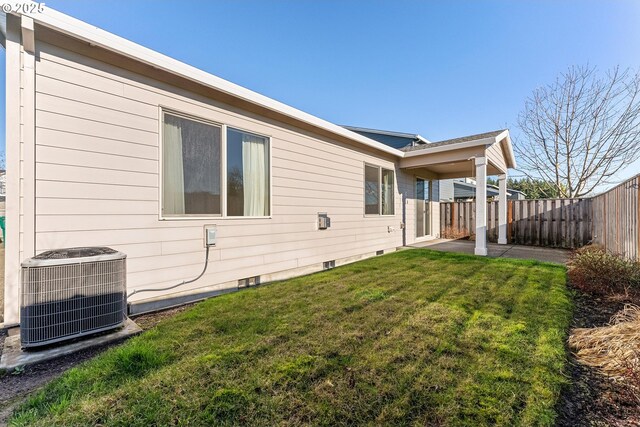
point(475, 156)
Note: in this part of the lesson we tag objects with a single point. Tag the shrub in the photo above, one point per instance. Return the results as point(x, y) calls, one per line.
point(596, 271)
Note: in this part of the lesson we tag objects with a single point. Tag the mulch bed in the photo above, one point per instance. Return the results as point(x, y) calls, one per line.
point(15, 386)
point(593, 399)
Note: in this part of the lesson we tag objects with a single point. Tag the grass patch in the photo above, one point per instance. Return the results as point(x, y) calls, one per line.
point(411, 338)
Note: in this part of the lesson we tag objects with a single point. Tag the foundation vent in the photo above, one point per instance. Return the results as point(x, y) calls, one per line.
point(249, 281)
point(328, 264)
point(70, 293)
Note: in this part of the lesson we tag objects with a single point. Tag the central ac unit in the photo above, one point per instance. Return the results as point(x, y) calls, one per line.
point(69, 293)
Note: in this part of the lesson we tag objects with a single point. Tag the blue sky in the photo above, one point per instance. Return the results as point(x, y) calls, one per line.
point(441, 69)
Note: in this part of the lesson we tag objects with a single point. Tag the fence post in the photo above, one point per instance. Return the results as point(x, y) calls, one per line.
point(509, 219)
point(453, 216)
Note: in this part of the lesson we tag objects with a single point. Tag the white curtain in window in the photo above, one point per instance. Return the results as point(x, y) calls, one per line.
point(173, 189)
point(387, 192)
point(255, 175)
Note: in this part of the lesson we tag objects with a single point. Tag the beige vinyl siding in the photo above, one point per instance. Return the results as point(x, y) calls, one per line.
point(407, 186)
point(495, 156)
point(15, 165)
point(97, 182)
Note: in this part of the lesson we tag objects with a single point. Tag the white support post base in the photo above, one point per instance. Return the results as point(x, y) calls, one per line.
point(481, 206)
point(502, 209)
point(480, 251)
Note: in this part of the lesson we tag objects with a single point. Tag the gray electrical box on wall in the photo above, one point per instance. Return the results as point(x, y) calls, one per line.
point(324, 221)
point(210, 232)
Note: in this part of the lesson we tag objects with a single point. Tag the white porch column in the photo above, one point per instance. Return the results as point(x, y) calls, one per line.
point(481, 205)
point(502, 209)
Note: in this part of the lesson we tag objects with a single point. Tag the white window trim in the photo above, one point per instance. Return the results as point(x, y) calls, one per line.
point(364, 191)
point(223, 168)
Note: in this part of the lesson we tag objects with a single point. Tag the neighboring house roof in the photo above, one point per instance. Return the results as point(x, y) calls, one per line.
point(391, 138)
point(469, 138)
point(466, 189)
point(414, 144)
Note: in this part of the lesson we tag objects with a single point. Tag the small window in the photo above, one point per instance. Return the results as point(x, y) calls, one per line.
point(378, 191)
point(191, 167)
point(247, 174)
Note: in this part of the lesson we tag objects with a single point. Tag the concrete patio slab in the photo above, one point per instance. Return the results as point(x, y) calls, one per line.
point(559, 256)
point(13, 356)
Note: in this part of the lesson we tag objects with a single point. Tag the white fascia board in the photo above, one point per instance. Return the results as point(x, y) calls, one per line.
point(423, 139)
point(75, 28)
point(511, 155)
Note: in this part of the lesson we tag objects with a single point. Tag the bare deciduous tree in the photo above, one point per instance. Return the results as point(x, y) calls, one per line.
point(581, 130)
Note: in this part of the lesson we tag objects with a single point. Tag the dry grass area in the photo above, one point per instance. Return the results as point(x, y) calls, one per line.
point(613, 349)
point(606, 349)
point(416, 337)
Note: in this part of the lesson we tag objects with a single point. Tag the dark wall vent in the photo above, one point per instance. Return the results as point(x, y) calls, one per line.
point(324, 222)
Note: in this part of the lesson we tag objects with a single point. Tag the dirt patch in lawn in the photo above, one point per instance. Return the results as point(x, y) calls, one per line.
point(15, 386)
point(593, 399)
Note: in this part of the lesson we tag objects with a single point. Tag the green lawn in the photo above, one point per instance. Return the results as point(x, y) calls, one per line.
point(412, 338)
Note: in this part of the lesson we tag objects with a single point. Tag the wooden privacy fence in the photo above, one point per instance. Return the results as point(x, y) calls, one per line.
point(616, 219)
point(610, 219)
point(562, 223)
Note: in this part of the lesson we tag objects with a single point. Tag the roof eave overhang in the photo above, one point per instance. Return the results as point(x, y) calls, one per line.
point(503, 138)
point(440, 148)
point(87, 33)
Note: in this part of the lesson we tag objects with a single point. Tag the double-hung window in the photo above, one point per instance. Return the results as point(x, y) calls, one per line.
point(378, 190)
point(192, 166)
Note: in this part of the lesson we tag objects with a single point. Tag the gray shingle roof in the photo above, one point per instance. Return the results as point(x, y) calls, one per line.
point(455, 140)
